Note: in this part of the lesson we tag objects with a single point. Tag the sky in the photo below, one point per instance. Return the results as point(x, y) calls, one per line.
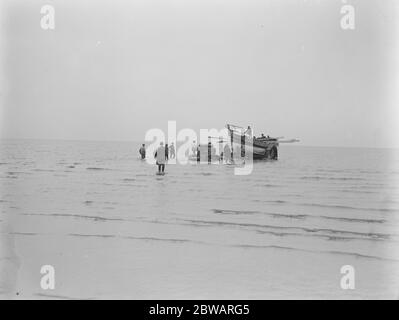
point(111, 70)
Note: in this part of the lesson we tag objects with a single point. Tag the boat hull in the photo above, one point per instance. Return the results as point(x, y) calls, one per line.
point(261, 148)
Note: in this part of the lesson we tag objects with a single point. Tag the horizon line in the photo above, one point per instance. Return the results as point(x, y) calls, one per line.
point(140, 141)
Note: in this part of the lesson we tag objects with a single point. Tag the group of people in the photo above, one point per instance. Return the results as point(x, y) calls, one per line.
point(198, 150)
point(207, 152)
point(249, 132)
point(165, 152)
point(162, 154)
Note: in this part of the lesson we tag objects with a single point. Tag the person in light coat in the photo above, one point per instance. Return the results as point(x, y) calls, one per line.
point(160, 157)
point(227, 153)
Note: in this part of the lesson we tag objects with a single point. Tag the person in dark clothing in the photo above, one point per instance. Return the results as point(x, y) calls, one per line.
point(166, 152)
point(142, 151)
point(199, 153)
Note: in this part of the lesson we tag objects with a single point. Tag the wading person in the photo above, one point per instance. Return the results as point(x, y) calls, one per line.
point(193, 148)
point(160, 156)
point(227, 153)
point(209, 152)
point(199, 153)
point(172, 151)
point(142, 151)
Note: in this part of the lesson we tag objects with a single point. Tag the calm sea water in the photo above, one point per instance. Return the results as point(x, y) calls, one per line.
point(112, 229)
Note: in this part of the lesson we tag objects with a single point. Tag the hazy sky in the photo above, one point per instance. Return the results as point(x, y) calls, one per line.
point(113, 69)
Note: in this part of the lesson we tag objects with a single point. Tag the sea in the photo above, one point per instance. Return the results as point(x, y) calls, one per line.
point(318, 223)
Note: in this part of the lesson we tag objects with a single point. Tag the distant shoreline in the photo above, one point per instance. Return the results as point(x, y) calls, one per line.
point(300, 145)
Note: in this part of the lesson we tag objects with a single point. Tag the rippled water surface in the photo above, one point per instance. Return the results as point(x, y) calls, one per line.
point(112, 229)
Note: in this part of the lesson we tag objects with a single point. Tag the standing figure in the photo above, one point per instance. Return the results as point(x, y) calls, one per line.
point(248, 131)
point(172, 151)
point(209, 152)
point(193, 148)
point(227, 153)
point(166, 152)
point(199, 153)
point(160, 157)
point(142, 151)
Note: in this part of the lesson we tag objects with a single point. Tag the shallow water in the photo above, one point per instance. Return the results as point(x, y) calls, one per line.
point(112, 229)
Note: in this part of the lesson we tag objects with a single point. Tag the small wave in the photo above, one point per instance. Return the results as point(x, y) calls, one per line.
point(66, 215)
point(24, 233)
point(331, 178)
point(330, 234)
point(380, 236)
point(268, 185)
point(220, 211)
point(357, 191)
point(275, 215)
point(98, 169)
point(16, 173)
point(311, 178)
point(337, 206)
point(269, 201)
point(43, 170)
point(276, 201)
point(354, 254)
point(60, 297)
point(320, 236)
point(158, 239)
point(371, 172)
point(106, 236)
point(92, 235)
point(370, 235)
point(289, 216)
point(357, 220)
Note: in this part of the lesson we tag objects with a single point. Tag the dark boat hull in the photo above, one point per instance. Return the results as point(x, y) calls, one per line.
point(262, 148)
